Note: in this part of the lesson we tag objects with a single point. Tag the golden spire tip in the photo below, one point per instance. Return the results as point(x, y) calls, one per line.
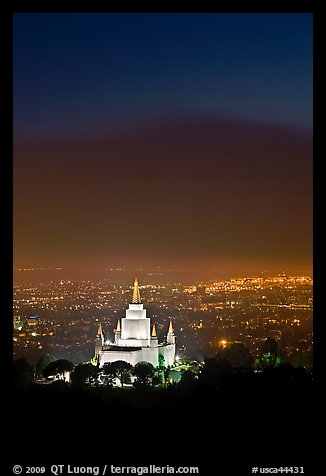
point(136, 293)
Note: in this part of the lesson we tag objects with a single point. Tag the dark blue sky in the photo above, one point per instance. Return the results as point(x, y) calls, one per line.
point(158, 139)
point(78, 73)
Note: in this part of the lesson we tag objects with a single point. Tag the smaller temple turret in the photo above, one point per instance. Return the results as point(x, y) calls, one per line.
point(170, 338)
point(154, 338)
point(118, 333)
point(99, 340)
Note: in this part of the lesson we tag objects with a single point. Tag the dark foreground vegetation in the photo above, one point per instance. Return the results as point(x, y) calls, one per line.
point(223, 416)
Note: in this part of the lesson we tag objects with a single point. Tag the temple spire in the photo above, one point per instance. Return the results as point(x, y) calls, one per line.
point(154, 331)
point(118, 329)
point(170, 337)
point(136, 293)
point(99, 330)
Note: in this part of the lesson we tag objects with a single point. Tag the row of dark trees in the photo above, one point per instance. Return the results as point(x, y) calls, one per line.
point(238, 356)
point(144, 373)
point(216, 373)
point(235, 357)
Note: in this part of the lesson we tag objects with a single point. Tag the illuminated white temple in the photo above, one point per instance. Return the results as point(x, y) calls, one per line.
point(134, 340)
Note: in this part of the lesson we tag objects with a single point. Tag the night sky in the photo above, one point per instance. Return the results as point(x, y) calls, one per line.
point(163, 140)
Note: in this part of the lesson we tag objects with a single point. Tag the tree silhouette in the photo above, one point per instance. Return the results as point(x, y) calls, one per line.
point(144, 373)
point(161, 362)
point(22, 371)
point(161, 371)
point(157, 380)
point(108, 374)
point(84, 374)
point(269, 346)
point(44, 360)
point(302, 360)
point(118, 370)
point(58, 367)
point(188, 380)
point(269, 355)
point(237, 355)
point(213, 371)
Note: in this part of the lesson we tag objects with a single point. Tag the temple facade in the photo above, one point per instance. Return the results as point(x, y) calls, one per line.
point(135, 339)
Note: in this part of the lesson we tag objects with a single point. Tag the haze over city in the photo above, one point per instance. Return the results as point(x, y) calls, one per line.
point(177, 141)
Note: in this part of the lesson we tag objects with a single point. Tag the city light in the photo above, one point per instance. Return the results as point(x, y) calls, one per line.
point(207, 319)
